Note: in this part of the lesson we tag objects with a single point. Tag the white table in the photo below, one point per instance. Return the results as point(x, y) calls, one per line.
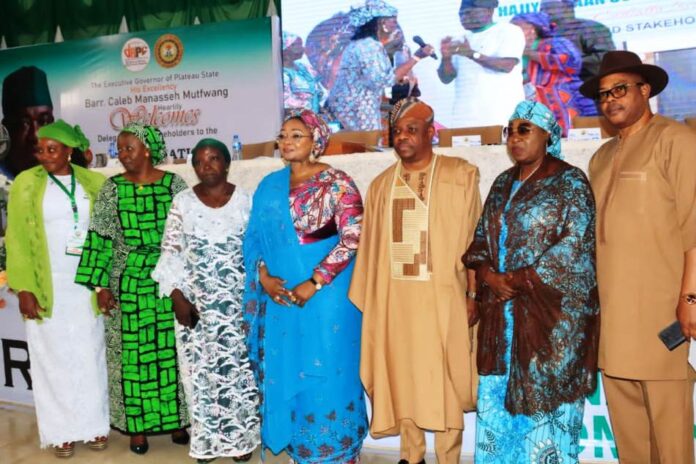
point(363, 167)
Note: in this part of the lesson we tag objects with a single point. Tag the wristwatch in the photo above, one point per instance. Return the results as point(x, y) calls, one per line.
point(689, 298)
point(317, 285)
point(476, 56)
point(471, 295)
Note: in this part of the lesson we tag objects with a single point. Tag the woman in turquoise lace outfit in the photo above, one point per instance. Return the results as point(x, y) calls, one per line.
point(534, 253)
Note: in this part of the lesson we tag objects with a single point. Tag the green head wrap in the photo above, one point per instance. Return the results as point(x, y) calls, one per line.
point(25, 87)
point(212, 143)
point(84, 141)
point(151, 137)
point(63, 133)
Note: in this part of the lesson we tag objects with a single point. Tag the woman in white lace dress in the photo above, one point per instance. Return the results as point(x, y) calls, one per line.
point(201, 268)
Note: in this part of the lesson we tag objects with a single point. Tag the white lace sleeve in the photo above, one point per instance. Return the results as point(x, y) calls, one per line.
point(170, 270)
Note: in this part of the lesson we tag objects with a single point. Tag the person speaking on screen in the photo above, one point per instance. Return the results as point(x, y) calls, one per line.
point(485, 65)
point(366, 71)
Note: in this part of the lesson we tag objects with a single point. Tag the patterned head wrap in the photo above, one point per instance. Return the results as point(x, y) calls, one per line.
point(539, 115)
point(413, 108)
point(540, 21)
point(24, 87)
point(372, 9)
point(151, 137)
point(62, 132)
point(316, 125)
point(212, 143)
point(288, 39)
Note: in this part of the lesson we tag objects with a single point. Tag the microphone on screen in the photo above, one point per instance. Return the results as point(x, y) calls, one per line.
point(419, 40)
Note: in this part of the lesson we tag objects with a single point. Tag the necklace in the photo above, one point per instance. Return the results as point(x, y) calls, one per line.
point(530, 174)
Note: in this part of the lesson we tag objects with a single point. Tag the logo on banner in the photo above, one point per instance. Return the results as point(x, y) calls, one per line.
point(135, 54)
point(169, 50)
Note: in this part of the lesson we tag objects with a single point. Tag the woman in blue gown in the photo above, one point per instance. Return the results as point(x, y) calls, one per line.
point(303, 333)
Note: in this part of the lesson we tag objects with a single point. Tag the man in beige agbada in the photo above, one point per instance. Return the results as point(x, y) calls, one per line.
point(415, 294)
point(644, 181)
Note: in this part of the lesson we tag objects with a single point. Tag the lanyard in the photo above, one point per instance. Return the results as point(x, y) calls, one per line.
point(70, 194)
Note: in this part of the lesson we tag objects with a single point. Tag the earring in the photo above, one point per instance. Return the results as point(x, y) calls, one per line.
point(312, 158)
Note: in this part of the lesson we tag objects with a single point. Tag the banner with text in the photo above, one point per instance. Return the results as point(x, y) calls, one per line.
point(213, 80)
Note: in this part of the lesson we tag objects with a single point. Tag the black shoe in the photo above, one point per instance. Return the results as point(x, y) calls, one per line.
point(181, 437)
point(205, 461)
point(404, 461)
point(242, 458)
point(139, 448)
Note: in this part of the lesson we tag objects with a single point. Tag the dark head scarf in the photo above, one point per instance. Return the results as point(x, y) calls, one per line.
point(320, 131)
point(539, 115)
point(540, 21)
point(25, 87)
point(151, 137)
point(413, 108)
point(478, 4)
point(212, 143)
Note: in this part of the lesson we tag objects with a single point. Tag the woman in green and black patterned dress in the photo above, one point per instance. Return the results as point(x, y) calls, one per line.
point(121, 250)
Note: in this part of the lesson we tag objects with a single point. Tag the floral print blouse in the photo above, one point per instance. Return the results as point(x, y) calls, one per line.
point(327, 203)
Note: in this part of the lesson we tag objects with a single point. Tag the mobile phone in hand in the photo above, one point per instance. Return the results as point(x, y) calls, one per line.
point(672, 335)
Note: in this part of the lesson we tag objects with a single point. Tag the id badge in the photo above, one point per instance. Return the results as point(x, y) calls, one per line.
point(76, 241)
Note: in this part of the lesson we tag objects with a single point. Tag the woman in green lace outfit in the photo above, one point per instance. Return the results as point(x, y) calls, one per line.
point(121, 250)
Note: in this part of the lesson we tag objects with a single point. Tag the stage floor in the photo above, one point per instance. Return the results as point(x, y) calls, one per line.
point(19, 444)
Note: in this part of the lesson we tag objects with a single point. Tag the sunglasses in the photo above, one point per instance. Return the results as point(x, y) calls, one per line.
point(617, 91)
point(294, 138)
point(523, 130)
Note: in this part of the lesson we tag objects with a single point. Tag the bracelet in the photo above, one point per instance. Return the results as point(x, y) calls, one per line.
point(689, 298)
point(471, 295)
point(316, 284)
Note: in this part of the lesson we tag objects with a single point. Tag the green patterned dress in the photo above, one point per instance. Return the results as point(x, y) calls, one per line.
point(121, 250)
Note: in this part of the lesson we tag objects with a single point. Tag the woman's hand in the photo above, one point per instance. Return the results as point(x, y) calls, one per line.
point(303, 292)
point(274, 287)
point(472, 311)
point(106, 301)
point(184, 310)
point(500, 284)
point(29, 306)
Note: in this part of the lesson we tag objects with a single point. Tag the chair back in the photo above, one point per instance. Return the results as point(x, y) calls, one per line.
point(607, 130)
point(254, 150)
point(490, 135)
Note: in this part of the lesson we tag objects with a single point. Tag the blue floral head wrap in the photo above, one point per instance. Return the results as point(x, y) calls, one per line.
point(151, 137)
point(316, 125)
point(542, 117)
point(288, 39)
point(372, 9)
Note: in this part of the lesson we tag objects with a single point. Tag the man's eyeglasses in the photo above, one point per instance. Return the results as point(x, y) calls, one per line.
point(294, 138)
point(617, 91)
point(523, 130)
